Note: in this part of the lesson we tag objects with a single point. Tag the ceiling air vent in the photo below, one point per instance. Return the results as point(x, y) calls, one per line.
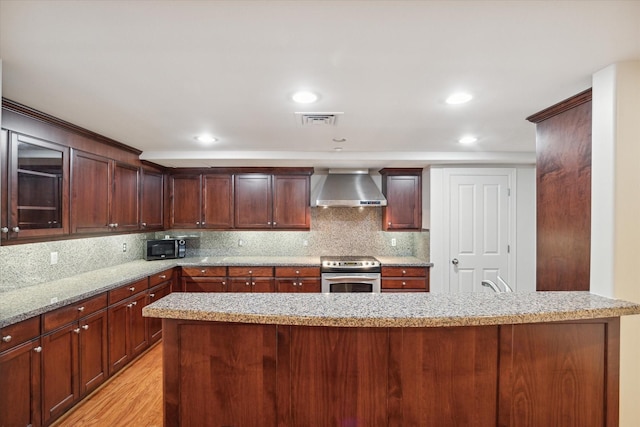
point(318, 119)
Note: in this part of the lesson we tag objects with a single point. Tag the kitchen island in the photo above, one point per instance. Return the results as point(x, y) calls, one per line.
point(546, 358)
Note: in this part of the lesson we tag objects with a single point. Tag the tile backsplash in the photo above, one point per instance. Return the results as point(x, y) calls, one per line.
point(334, 231)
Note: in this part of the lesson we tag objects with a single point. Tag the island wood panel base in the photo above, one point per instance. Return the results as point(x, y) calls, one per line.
point(232, 375)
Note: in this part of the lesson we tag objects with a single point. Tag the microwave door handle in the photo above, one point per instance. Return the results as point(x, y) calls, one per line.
point(351, 278)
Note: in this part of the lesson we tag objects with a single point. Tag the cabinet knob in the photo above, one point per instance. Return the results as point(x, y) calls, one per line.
point(6, 338)
point(4, 229)
point(144, 224)
point(16, 229)
point(224, 283)
point(152, 295)
point(76, 330)
point(115, 225)
point(247, 283)
point(203, 271)
point(163, 276)
point(404, 283)
point(38, 349)
point(81, 309)
point(85, 327)
point(250, 271)
point(197, 222)
point(268, 222)
point(297, 271)
point(129, 305)
point(132, 288)
point(389, 223)
point(253, 283)
point(134, 303)
point(295, 284)
point(275, 223)
point(404, 272)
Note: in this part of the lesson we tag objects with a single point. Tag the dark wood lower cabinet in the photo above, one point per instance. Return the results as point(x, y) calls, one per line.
point(127, 331)
point(20, 385)
point(74, 362)
point(548, 374)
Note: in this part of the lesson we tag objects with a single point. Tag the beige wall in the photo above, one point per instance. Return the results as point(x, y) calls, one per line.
point(616, 213)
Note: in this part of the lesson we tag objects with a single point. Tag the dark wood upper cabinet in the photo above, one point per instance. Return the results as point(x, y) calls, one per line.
point(201, 201)
point(151, 200)
point(91, 183)
point(125, 207)
point(36, 193)
point(253, 201)
point(403, 190)
point(104, 195)
point(563, 204)
point(291, 202)
point(217, 203)
point(186, 201)
point(278, 201)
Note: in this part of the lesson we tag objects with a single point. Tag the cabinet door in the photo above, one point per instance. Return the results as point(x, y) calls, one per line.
point(138, 325)
point(185, 209)
point(154, 324)
point(125, 202)
point(91, 198)
point(119, 349)
point(59, 371)
point(217, 201)
point(403, 203)
point(263, 284)
point(20, 385)
point(93, 351)
point(253, 201)
point(240, 284)
point(308, 285)
point(38, 188)
point(152, 200)
point(291, 202)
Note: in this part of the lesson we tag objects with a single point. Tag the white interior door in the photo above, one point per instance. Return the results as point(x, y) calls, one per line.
point(480, 220)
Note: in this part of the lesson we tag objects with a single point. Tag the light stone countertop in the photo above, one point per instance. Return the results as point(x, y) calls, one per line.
point(26, 302)
point(389, 310)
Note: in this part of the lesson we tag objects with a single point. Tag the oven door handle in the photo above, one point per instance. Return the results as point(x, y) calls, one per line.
point(351, 278)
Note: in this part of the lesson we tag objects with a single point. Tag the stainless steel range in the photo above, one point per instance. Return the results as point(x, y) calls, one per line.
point(350, 274)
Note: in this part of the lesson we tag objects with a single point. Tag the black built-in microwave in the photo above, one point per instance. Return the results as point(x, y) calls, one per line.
point(165, 249)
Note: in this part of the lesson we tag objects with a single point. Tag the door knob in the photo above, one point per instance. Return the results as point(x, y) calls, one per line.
point(454, 261)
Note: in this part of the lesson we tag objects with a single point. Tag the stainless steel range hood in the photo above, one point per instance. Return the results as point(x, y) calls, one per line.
point(350, 188)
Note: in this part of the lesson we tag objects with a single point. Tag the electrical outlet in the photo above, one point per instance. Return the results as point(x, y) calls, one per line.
point(124, 247)
point(393, 242)
point(240, 242)
point(54, 258)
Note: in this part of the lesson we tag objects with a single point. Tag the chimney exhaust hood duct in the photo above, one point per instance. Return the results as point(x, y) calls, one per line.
point(350, 188)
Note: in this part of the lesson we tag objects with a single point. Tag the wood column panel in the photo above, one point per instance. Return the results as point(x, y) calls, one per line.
point(563, 147)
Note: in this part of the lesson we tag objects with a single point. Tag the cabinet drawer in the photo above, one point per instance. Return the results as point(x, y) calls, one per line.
point(13, 335)
point(158, 278)
point(73, 312)
point(250, 271)
point(204, 271)
point(127, 290)
point(404, 271)
point(402, 283)
point(205, 284)
point(297, 271)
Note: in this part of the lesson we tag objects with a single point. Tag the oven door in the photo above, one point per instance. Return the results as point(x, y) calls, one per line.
point(350, 282)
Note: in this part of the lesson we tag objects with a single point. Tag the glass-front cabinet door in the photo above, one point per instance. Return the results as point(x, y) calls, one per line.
point(38, 188)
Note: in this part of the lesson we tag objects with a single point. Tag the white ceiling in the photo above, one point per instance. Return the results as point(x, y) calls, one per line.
point(153, 74)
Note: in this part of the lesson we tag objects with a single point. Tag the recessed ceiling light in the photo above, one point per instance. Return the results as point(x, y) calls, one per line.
point(459, 98)
point(467, 140)
point(304, 97)
point(206, 138)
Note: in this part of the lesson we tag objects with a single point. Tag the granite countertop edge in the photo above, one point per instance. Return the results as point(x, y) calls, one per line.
point(26, 302)
point(392, 310)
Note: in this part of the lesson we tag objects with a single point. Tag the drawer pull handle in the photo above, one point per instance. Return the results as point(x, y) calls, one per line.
point(81, 309)
point(6, 339)
point(85, 327)
point(132, 288)
point(76, 330)
point(38, 349)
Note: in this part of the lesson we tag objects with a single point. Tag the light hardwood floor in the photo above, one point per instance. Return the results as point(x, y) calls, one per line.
point(132, 398)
